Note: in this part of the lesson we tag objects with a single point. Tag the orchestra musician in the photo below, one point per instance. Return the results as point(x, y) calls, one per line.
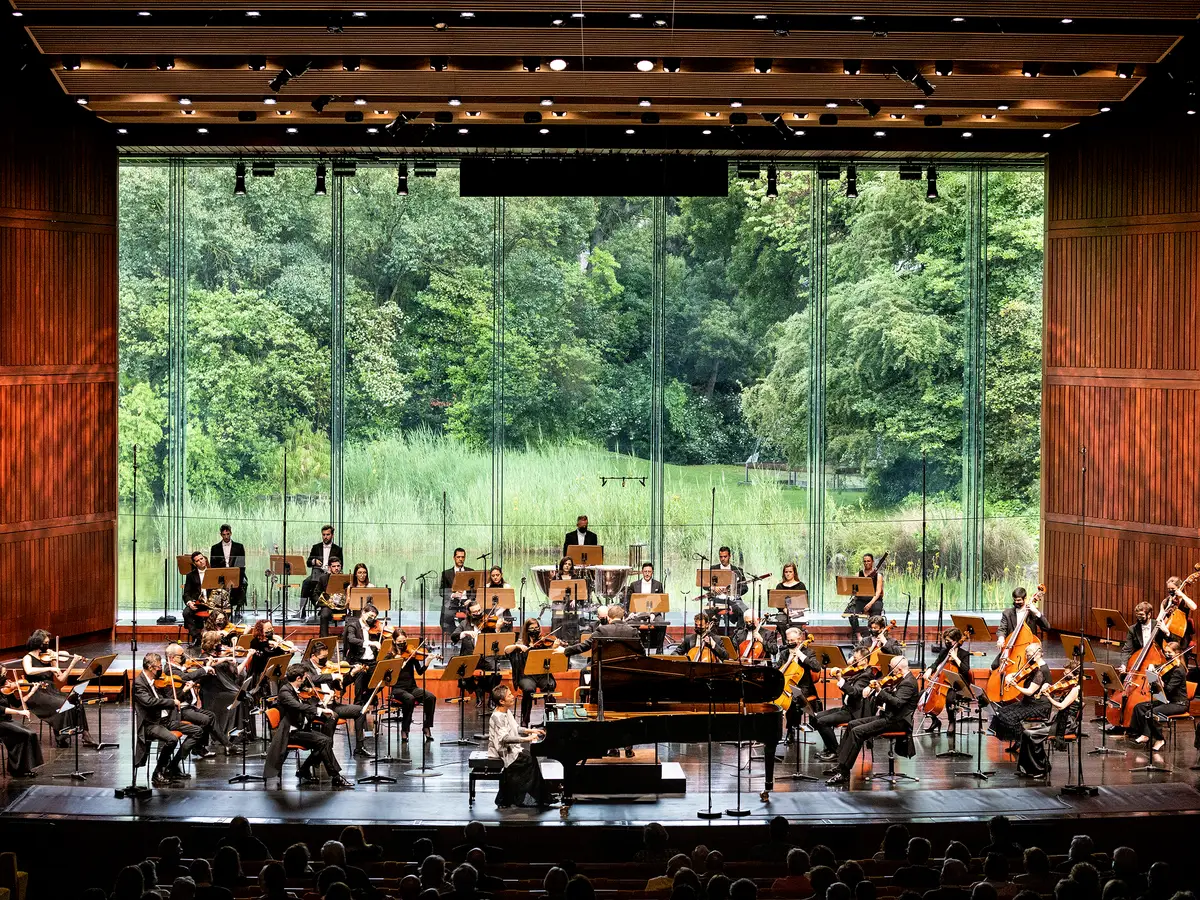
point(453, 601)
point(566, 619)
point(701, 636)
point(495, 579)
point(229, 554)
point(871, 606)
point(580, 537)
point(791, 582)
point(324, 612)
point(1008, 620)
point(20, 741)
point(1032, 759)
point(318, 562)
point(263, 645)
point(315, 667)
point(43, 667)
point(195, 597)
point(409, 693)
point(157, 710)
point(647, 584)
point(851, 681)
point(190, 700)
point(804, 691)
point(753, 629)
point(531, 683)
point(879, 638)
point(615, 629)
point(1141, 632)
point(960, 664)
point(295, 720)
point(737, 609)
point(220, 686)
point(361, 643)
point(467, 638)
point(1144, 725)
point(1008, 720)
point(896, 702)
point(1176, 597)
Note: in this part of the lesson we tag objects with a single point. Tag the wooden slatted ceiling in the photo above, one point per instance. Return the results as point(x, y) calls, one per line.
point(606, 42)
point(1051, 9)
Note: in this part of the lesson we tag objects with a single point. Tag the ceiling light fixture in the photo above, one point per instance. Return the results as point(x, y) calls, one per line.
point(831, 104)
point(547, 101)
point(466, 14)
point(645, 101)
point(706, 131)
point(671, 64)
point(629, 131)
point(944, 67)
point(559, 113)
point(772, 182)
point(270, 101)
point(472, 114)
point(1104, 107)
point(256, 63)
point(439, 63)
point(531, 63)
point(543, 131)
point(402, 180)
point(931, 188)
point(896, 115)
point(163, 63)
point(185, 101)
point(852, 67)
point(319, 190)
point(188, 112)
point(1003, 106)
point(122, 131)
point(736, 104)
point(252, 14)
point(351, 64)
point(239, 180)
point(1031, 70)
point(763, 65)
point(870, 106)
point(880, 134)
point(1125, 70)
point(1045, 134)
point(968, 134)
point(918, 106)
point(455, 101)
point(360, 101)
point(82, 101)
point(558, 64)
point(464, 130)
point(292, 129)
point(645, 65)
point(372, 130)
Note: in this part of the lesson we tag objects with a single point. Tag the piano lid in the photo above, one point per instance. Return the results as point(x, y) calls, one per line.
point(630, 679)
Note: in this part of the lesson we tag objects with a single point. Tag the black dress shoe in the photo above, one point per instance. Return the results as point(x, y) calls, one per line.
point(305, 776)
point(613, 754)
point(839, 778)
point(160, 779)
point(832, 770)
point(363, 753)
point(934, 726)
point(177, 773)
point(428, 735)
point(206, 754)
point(341, 783)
point(404, 737)
point(827, 756)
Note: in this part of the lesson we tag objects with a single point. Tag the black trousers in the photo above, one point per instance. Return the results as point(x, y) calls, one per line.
point(351, 712)
point(168, 754)
point(194, 624)
point(1143, 722)
point(858, 732)
point(320, 747)
point(361, 680)
point(859, 606)
point(204, 720)
point(799, 706)
point(325, 619)
point(408, 698)
point(24, 748)
point(529, 684)
point(826, 721)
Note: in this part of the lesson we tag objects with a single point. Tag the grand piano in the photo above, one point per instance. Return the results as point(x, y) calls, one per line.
point(664, 699)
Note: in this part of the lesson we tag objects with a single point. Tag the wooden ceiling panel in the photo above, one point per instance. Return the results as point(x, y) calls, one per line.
point(610, 42)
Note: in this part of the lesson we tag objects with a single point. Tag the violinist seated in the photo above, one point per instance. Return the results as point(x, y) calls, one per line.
point(701, 644)
point(326, 604)
point(195, 598)
point(802, 687)
point(20, 741)
point(361, 642)
point(960, 664)
point(1141, 632)
point(1033, 761)
point(755, 641)
point(50, 671)
point(540, 682)
point(296, 720)
point(190, 710)
point(1008, 619)
point(851, 681)
point(896, 697)
point(321, 675)
point(467, 638)
point(880, 639)
point(409, 693)
point(1009, 720)
point(158, 715)
point(1143, 726)
point(220, 687)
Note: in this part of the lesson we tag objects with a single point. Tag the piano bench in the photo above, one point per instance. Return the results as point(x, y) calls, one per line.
point(891, 775)
point(480, 766)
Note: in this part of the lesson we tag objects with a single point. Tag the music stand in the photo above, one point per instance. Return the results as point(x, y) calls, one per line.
point(492, 598)
point(386, 672)
point(1073, 645)
point(72, 699)
point(467, 581)
point(712, 580)
point(854, 587)
point(730, 650)
point(289, 566)
point(458, 668)
point(496, 643)
point(567, 590)
point(974, 628)
point(649, 604)
point(792, 601)
point(339, 584)
point(1108, 619)
point(380, 598)
point(545, 662)
point(957, 684)
point(585, 555)
point(221, 579)
point(1110, 683)
point(95, 668)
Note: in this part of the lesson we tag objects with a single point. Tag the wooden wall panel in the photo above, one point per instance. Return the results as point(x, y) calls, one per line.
point(58, 369)
point(1122, 370)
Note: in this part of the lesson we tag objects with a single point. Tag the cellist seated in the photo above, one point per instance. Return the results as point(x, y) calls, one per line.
point(702, 638)
point(1008, 620)
point(959, 663)
point(798, 665)
point(1143, 727)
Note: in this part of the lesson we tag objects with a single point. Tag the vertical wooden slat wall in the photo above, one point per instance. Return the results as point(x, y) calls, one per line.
point(58, 373)
point(1122, 370)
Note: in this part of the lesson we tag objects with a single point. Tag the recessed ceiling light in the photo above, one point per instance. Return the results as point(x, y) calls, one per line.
point(557, 23)
point(1045, 134)
point(82, 101)
point(1067, 21)
point(283, 112)
point(372, 130)
point(660, 23)
point(144, 12)
point(1002, 107)
point(577, 15)
point(253, 13)
point(455, 101)
point(270, 101)
point(736, 104)
point(968, 134)
point(472, 113)
point(857, 18)
point(799, 115)
point(466, 14)
point(1031, 70)
point(18, 13)
point(831, 104)
point(799, 132)
point(201, 130)
point(558, 64)
point(880, 134)
point(359, 14)
point(1105, 108)
point(543, 131)
point(188, 112)
point(635, 15)
point(292, 130)
point(958, 19)
point(380, 112)
point(1191, 112)
point(559, 113)
point(645, 101)
point(122, 131)
point(645, 65)
point(706, 131)
point(360, 101)
point(897, 115)
point(712, 115)
point(629, 131)
point(1125, 70)
point(463, 130)
point(185, 101)
point(918, 106)
point(758, 17)
point(547, 101)
point(989, 115)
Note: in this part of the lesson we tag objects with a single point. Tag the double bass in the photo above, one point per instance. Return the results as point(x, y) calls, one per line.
point(1012, 655)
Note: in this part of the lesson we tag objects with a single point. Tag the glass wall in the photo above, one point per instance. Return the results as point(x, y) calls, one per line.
point(776, 371)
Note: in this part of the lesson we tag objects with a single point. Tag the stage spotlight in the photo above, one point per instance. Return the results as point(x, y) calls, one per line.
point(70, 63)
point(239, 180)
point(923, 84)
point(871, 107)
point(531, 63)
point(852, 67)
point(931, 190)
point(399, 122)
point(280, 80)
point(780, 125)
point(351, 64)
point(852, 182)
point(671, 64)
point(944, 67)
point(256, 63)
point(164, 63)
point(1125, 70)
point(533, 117)
point(320, 188)
point(762, 65)
point(772, 182)
point(402, 180)
point(439, 63)
point(1031, 70)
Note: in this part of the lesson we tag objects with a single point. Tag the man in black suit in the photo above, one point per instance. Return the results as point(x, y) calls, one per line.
point(853, 707)
point(897, 705)
point(318, 564)
point(737, 609)
point(452, 602)
point(294, 718)
point(229, 554)
point(359, 647)
point(1142, 631)
point(195, 597)
point(701, 631)
point(1008, 619)
point(157, 716)
point(647, 584)
point(580, 537)
point(351, 712)
point(880, 639)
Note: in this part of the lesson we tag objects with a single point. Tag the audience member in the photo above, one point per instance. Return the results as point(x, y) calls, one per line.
point(1085, 875)
point(129, 884)
point(1159, 883)
point(272, 880)
point(1027, 894)
point(687, 876)
point(952, 885)
point(983, 891)
point(227, 868)
point(334, 854)
point(1037, 876)
point(240, 837)
point(743, 889)
point(698, 855)
point(821, 878)
point(684, 892)
point(149, 873)
point(358, 851)
point(1066, 889)
point(917, 874)
point(296, 860)
point(1000, 838)
point(464, 882)
point(714, 864)
point(820, 855)
point(485, 883)
point(894, 845)
point(555, 883)
point(664, 882)
point(839, 890)
point(654, 845)
point(201, 873)
point(958, 850)
point(1116, 889)
point(796, 882)
point(475, 835)
point(170, 851)
point(995, 873)
point(328, 876)
point(93, 893)
point(1125, 868)
point(864, 890)
point(775, 848)
point(850, 874)
point(579, 888)
point(339, 890)
point(410, 888)
point(717, 888)
point(1081, 850)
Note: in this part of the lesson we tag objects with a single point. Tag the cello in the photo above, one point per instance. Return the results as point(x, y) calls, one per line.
point(793, 672)
point(1173, 619)
point(933, 699)
point(752, 647)
point(1012, 654)
point(1136, 687)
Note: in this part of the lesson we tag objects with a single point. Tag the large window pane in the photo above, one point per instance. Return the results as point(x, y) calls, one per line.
point(419, 328)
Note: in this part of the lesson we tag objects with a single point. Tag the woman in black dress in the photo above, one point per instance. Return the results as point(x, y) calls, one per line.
point(531, 682)
point(1008, 722)
point(42, 668)
point(21, 742)
point(959, 664)
point(1033, 758)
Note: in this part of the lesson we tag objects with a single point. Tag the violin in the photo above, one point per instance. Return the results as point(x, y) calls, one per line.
point(12, 687)
point(169, 680)
point(886, 681)
point(1064, 685)
point(545, 643)
point(1028, 669)
point(50, 657)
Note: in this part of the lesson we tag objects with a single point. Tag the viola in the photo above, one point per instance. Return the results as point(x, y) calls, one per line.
point(886, 681)
point(170, 681)
point(545, 643)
